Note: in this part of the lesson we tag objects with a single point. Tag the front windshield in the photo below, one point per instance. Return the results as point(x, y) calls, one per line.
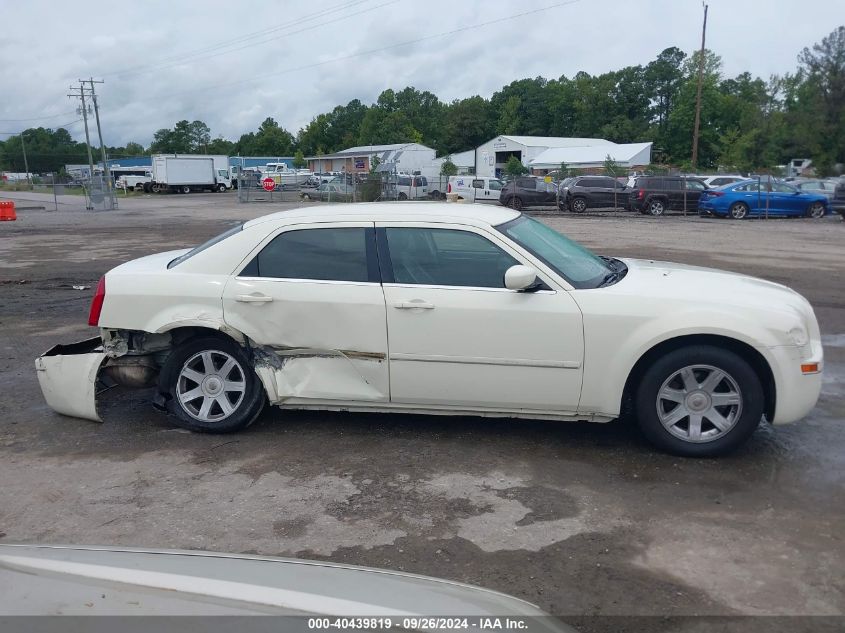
point(576, 264)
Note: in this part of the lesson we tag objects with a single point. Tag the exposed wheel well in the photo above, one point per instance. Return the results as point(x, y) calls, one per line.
point(181, 334)
point(743, 350)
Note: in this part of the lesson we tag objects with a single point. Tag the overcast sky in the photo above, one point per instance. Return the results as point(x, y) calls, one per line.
point(231, 64)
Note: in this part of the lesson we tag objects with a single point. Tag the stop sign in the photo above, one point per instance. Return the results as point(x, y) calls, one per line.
point(268, 183)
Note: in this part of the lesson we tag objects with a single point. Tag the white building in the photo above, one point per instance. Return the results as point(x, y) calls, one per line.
point(464, 161)
point(627, 155)
point(491, 157)
point(405, 157)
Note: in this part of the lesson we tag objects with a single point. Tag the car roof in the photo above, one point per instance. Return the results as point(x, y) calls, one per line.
point(388, 211)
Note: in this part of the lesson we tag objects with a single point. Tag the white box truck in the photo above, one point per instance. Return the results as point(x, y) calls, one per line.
point(184, 173)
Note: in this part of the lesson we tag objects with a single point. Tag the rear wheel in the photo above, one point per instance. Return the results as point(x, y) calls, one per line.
point(738, 211)
point(815, 210)
point(185, 189)
point(656, 206)
point(306, 196)
point(211, 386)
point(403, 196)
point(578, 205)
point(699, 401)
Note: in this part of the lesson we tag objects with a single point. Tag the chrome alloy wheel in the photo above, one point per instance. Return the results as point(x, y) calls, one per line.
point(211, 386)
point(699, 403)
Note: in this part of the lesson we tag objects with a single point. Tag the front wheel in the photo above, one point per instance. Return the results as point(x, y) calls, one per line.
point(221, 188)
point(306, 196)
point(515, 203)
point(211, 386)
point(185, 189)
point(815, 210)
point(699, 401)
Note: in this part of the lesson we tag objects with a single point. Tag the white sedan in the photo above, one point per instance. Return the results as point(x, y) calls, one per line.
point(443, 309)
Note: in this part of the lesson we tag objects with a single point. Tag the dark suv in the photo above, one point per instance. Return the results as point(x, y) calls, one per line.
point(654, 195)
point(579, 193)
point(526, 191)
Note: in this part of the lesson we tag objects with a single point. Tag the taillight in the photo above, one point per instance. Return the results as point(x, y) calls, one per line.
point(640, 194)
point(715, 194)
point(97, 302)
point(449, 188)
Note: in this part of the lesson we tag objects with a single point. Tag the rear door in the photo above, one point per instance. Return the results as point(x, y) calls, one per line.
point(694, 189)
point(311, 302)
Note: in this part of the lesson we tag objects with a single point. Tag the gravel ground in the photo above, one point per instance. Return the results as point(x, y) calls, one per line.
point(584, 520)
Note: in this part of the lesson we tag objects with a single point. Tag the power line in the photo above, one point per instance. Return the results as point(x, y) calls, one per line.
point(333, 60)
point(177, 60)
point(62, 125)
point(42, 118)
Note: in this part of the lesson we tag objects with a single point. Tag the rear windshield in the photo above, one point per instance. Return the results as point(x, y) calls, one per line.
point(205, 245)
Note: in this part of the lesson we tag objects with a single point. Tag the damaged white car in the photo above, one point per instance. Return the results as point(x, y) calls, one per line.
point(442, 309)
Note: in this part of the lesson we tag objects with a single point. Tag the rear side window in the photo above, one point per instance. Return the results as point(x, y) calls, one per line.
point(526, 183)
point(321, 254)
point(478, 184)
point(672, 185)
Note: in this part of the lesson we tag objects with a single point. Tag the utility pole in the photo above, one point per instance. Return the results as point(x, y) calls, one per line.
point(81, 97)
point(25, 163)
point(106, 171)
point(694, 160)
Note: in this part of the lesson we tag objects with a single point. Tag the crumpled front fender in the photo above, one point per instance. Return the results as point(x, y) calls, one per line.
point(68, 374)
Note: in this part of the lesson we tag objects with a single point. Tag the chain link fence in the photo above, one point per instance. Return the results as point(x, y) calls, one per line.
point(98, 193)
point(360, 187)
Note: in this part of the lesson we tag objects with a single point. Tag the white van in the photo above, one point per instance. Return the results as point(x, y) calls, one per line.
point(411, 187)
point(475, 187)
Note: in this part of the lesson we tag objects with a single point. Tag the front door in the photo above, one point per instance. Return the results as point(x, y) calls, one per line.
point(459, 338)
point(311, 303)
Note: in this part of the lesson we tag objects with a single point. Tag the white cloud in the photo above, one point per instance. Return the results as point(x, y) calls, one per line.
point(52, 44)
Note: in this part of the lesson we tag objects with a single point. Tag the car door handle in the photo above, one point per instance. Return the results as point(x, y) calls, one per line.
point(413, 305)
point(253, 298)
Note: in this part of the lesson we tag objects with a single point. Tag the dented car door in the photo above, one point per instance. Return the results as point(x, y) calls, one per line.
point(310, 299)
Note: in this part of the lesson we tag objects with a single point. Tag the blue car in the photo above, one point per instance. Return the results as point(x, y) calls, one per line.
point(751, 198)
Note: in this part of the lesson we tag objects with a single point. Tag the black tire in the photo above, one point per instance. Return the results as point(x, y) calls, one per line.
point(146, 187)
point(171, 382)
point(185, 189)
point(738, 211)
point(221, 188)
point(816, 211)
point(656, 207)
point(306, 196)
point(744, 420)
point(403, 196)
point(578, 205)
point(515, 203)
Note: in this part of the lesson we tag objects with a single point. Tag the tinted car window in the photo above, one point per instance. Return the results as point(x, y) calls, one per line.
point(695, 185)
point(782, 188)
point(324, 254)
point(671, 185)
point(594, 182)
point(526, 183)
point(478, 184)
point(495, 185)
point(446, 257)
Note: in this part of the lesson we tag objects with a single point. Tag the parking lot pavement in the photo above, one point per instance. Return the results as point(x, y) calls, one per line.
point(581, 519)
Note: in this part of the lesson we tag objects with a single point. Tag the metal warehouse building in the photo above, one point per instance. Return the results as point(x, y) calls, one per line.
point(541, 154)
point(405, 157)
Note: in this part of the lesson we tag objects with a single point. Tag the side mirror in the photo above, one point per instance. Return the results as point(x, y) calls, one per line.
point(520, 277)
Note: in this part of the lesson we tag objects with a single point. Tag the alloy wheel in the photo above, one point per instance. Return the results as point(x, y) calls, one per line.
point(211, 386)
point(699, 403)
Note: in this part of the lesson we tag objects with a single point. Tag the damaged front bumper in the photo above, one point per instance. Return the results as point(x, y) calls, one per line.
point(68, 376)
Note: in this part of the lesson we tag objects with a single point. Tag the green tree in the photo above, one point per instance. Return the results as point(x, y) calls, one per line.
point(448, 168)
point(514, 167)
point(468, 124)
point(299, 161)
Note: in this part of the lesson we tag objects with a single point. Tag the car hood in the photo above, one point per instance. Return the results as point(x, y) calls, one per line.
point(679, 282)
point(54, 579)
